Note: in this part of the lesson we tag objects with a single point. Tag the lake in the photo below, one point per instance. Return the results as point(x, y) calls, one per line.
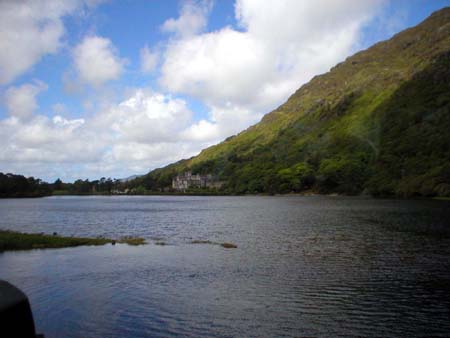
point(304, 266)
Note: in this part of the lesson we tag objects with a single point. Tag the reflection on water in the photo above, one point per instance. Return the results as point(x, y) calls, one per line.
point(304, 266)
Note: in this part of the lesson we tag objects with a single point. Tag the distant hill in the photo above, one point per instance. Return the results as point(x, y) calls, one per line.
point(378, 123)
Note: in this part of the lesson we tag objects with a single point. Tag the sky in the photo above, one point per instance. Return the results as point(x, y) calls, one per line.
point(92, 88)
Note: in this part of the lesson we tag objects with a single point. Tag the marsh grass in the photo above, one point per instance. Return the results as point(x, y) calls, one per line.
point(223, 245)
point(132, 240)
point(200, 241)
point(12, 240)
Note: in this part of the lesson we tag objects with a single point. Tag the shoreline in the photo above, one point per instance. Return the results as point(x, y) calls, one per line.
point(200, 194)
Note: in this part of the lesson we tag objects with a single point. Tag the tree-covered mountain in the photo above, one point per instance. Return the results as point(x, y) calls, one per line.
point(378, 122)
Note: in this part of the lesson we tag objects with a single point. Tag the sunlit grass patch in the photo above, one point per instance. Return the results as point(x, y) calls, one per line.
point(132, 240)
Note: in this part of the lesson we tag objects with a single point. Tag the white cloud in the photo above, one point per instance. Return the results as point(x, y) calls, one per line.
point(279, 46)
point(97, 61)
point(191, 21)
point(203, 130)
point(30, 30)
point(147, 117)
point(21, 101)
point(149, 60)
point(61, 121)
point(145, 130)
point(45, 140)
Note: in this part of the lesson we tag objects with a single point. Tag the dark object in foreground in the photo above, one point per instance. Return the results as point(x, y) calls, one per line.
point(12, 240)
point(228, 245)
point(16, 319)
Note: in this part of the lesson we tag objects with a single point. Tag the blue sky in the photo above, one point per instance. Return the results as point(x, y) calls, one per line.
point(114, 88)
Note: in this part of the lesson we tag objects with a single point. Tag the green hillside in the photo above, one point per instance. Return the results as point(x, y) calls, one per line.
point(378, 122)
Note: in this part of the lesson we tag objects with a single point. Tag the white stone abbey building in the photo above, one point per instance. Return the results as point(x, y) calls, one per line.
point(187, 180)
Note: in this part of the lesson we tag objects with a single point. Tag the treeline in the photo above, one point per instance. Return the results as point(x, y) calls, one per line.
point(19, 186)
point(12, 185)
point(104, 186)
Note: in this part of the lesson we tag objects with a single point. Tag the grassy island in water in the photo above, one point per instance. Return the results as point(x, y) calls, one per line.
point(12, 240)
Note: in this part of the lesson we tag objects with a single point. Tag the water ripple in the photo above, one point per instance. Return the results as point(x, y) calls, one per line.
point(303, 267)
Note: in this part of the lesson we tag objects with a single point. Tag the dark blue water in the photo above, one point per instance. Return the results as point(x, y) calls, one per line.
point(304, 266)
